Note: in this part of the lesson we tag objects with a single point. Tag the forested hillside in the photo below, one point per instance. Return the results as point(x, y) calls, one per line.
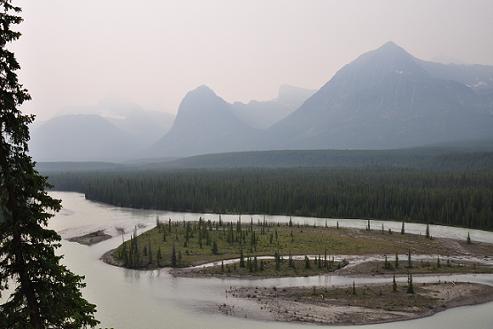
point(429, 158)
point(462, 198)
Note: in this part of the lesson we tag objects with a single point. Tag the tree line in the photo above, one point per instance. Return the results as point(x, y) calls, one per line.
point(449, 198)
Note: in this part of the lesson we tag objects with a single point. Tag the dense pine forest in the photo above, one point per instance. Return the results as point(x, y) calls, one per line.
point(449, 198)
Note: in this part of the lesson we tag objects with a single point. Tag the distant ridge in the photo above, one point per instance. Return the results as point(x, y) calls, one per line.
point(460, 155)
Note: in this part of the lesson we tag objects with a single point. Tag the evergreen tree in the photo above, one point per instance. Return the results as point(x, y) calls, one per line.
point(242, 259)
point(410, 285)
point(150, 252)
point(427, 233)
point(124, 255)
point(278, 261)
point(45, 293)
point(403, 228)
point(394, 284)
point(354, 289)
point(307, 262)
point(468, 238)
point(173, 256)
point(409, 261)
point(159, 256)
point(386, 263)
point(214, 249)
point(396, 260)
point(136, 245)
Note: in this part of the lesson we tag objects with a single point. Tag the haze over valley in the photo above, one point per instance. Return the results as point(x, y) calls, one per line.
point(384, 99)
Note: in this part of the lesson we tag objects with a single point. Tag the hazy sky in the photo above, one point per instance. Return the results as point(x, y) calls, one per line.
point(151, 52)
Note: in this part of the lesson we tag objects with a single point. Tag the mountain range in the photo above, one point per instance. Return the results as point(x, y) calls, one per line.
point(384, 99)
point(108, 131)
point(263, 114)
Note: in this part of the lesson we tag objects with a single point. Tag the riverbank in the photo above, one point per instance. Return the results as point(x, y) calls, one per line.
point(368, 304)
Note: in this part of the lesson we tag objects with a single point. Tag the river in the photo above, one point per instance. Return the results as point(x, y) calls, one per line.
point(129, 299)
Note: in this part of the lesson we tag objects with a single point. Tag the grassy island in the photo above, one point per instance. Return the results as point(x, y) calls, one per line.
point(185, 244)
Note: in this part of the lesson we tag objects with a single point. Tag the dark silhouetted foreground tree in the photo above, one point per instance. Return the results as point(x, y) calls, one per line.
point(45, 294)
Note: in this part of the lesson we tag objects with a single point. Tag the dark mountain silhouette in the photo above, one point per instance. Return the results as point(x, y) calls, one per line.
point(205, 123)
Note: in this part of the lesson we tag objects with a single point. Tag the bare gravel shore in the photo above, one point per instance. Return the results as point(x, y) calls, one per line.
point(368, 304)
